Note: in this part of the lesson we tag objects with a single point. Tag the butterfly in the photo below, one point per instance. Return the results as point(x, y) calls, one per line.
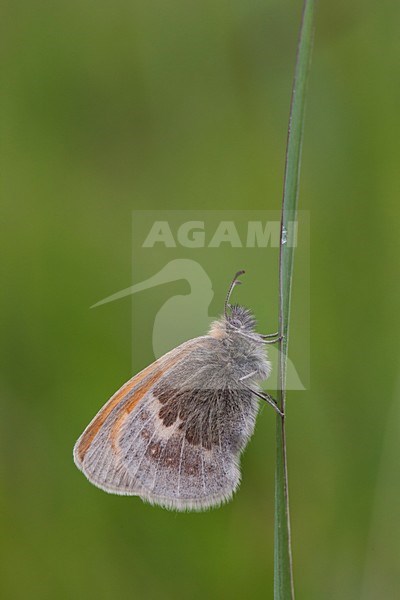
point(174, 433)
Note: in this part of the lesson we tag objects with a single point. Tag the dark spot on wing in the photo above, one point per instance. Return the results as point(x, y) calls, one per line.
point(145, 434)
point(200, 412)
point(154, 450)
point(169, 413)
point(175, 455)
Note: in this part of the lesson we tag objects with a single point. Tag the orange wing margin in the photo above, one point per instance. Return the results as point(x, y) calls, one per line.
point(143, 381)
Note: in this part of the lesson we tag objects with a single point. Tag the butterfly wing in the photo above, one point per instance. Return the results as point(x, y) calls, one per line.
point(91, 443)
point(171, 435)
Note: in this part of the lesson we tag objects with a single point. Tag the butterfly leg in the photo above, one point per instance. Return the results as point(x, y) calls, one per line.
point(272, 338)
point(248, 376)
point(267, 398)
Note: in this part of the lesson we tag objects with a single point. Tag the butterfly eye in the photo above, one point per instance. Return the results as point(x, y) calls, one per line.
point(236, 323)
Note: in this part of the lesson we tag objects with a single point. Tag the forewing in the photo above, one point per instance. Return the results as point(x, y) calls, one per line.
point(95, 452)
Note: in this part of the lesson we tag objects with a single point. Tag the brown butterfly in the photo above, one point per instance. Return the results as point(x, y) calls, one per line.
point(173, 434)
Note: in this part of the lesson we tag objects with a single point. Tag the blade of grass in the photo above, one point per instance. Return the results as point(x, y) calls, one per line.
point(283, 572)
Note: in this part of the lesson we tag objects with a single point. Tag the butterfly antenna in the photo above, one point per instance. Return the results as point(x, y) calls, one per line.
point(235, 282)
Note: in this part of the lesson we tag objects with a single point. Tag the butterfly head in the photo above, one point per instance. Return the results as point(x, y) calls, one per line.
point(240, 319)
point(237, 320)
point(238, 323)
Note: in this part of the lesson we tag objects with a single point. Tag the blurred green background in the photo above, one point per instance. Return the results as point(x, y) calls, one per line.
point(113, 107)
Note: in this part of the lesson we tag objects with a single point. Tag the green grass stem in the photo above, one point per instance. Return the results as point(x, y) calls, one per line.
point(283, 572)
